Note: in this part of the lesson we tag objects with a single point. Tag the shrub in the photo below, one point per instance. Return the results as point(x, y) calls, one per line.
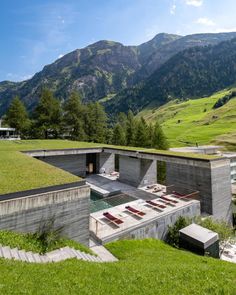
point(48, 235)
point(221, 227)
point(172, 237)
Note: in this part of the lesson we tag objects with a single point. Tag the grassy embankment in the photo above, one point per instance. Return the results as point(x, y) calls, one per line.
point(195, 121)
point(145, 267)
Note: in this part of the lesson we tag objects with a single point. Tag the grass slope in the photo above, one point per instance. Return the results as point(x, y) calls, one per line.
point(145, 267)
point(195, 120)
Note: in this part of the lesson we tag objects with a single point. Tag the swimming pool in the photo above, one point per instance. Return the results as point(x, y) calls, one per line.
point(97, 202)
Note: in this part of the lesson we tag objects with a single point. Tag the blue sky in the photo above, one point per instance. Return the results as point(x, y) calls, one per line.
point(35, 33)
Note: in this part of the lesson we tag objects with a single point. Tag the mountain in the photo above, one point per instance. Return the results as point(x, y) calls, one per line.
point(194, 72)
point(103, 69)
point(97, 70)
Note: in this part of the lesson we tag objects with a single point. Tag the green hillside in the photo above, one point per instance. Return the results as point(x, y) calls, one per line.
point(145, 267)
point(196, 121)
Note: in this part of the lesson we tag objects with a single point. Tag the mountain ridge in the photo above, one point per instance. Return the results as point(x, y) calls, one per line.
point(102, 68)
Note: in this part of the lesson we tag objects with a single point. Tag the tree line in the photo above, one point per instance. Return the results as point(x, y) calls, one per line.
point(83, 122)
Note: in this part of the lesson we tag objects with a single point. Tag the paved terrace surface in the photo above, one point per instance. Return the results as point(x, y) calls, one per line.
point(108, 186)
point(19, 172)
point(105, 230)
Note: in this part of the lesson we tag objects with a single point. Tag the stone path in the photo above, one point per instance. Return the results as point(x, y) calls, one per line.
point(56, 255)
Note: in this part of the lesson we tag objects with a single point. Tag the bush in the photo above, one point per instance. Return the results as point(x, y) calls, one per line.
point(172, 237)
point(221, 227)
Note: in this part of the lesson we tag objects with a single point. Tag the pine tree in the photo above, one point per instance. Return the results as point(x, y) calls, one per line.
point(159, 140)
point(141, 134)
point(17, 117)
point(122, 120)
point(74, 116)
point(118, 135)
point(96, 123)
point(48, 115)
point(130, 129)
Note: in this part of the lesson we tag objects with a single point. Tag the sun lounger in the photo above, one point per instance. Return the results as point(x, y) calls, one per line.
point(154, 204)
point(114, 173)
point(168, 199)
point(156, 190)
point(112, 218)
point(135, 211)
point(177, 194)
point(151, 186)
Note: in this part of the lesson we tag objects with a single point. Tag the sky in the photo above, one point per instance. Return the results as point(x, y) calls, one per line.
point(35, 33)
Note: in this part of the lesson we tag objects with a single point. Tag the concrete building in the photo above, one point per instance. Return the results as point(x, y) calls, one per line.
point(232, 158)
point(210, 176)
point(8, 133)
point(187, 176)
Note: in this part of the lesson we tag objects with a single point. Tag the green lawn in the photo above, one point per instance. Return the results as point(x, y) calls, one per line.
point(20, 172)
point(195, 120)
point(145, 267)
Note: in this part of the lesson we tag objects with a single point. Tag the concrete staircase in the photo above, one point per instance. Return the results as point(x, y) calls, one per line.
point(56, 255)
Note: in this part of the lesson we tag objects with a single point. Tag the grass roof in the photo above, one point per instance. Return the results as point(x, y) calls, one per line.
point(20, 172)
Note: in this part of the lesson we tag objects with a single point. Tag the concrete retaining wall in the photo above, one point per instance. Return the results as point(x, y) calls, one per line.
point(75, 164)
point(69, 207)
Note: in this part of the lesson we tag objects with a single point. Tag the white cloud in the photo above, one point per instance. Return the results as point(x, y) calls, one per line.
point(196, 3)
point(205, 22)
point(60, 55)
point(17, 78)
point(173, 9)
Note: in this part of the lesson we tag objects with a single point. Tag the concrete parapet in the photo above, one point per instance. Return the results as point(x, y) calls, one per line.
point(68, 207)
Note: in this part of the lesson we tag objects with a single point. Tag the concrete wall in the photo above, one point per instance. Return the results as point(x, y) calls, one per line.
point(106, 161)
point(210, 178)
point(75, 164)
point(69, 207)
point(157, 228)
point(137, 172)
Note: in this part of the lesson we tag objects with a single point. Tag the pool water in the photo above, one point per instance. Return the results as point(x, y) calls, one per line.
point(97, 202)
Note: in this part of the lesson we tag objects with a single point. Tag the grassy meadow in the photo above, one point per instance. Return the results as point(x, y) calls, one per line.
point(195, 120)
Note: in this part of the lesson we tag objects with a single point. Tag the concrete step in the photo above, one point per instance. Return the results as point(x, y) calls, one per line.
point(30, 257)
point(57, 255)
point(22, 255)
point(68, 251)
point(37, 257)
point(104, 254)
point(1, 253)
point(15, 254)
point(6, 252)
point(44, 259)
point(77, 254)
